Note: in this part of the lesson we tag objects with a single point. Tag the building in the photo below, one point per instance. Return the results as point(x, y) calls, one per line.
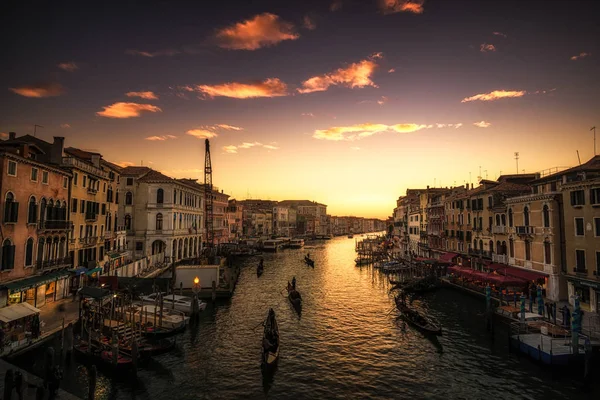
point(311, 216)
point(235, 215)
point(580, 187)
point(35, 228)
point(161, 214)
point(220, 221)
point(281, 221)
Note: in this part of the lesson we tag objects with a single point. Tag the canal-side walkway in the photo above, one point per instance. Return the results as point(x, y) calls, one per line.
point(30, 384)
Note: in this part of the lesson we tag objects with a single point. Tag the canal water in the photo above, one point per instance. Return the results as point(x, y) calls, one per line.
point(347, 344)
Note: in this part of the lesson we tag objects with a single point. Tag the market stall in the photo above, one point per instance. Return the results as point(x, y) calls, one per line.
point(19, 323)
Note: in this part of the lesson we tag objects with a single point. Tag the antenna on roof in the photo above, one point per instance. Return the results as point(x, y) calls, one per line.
point(517, 158)
point(593, 128)
point(485, 170)
point(578, 158)
point(39, 126)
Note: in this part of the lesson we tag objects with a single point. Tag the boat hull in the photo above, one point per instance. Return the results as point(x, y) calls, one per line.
point(415, 319)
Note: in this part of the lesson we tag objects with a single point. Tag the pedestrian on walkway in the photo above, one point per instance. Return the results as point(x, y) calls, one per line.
point(567, 317)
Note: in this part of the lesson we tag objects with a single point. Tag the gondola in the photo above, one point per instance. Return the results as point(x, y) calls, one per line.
point(270, 341)
point(259, 270)
point(295, 298)
point(420, 321)
point(157, 332)
point(309, 262)
point(97, 355)
point(146, 348)
point(422, 285)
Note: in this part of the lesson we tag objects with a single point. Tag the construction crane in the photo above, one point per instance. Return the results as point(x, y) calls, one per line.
point(208, 196)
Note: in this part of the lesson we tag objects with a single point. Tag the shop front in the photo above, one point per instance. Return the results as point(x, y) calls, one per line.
point(38, 290)
point(19, 324)
point(588, 292)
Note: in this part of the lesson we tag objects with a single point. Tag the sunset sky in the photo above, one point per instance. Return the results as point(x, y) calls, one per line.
point(344, 102)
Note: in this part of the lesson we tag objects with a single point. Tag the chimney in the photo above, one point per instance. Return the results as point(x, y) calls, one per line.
point(56, 150)
point(12, 135)
point(25, 150)
point(96, 160)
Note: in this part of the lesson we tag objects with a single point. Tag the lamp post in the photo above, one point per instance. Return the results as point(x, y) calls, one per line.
point(195, 297)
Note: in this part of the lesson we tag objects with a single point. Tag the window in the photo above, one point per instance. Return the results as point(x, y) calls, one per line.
point(104, 188)
point(34, 174)
point(74, 205)
point(546, 216)
point(596, 227)
point(160, 194)
point(139, 246)
point(595, 196)
point(129, 181)
point(490, 202)
point(511, 247)
point(528, 250)
point(577, 198)
point(45, 177)
point(580, 261)
point(491, 222)
point(65, 182)
point(11, 209)
point(29, 252)
point(75, 178)
point(480, 204)
point(547, 253)
point(579, 229)
point(103, 209)
point(526, 216)
point(84, 180)
point(128, 198)
point(510, 217)
point(32, 212)
point(12, 168)
point(598, 263)
point(497, 219)
point(8, 255)
point(128, 222)
point(159, 222)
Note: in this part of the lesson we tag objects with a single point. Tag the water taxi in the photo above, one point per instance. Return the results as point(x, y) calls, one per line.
point(297, 243)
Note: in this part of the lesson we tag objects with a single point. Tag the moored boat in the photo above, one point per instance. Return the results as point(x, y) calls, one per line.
point(102, 355)
point(296, 243)
point(270, 342)
point(149, 313)
point(350, 236)
point(295, 298)
point(175, 302)
point(424, 323)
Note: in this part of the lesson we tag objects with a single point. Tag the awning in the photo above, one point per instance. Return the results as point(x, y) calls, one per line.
point(93, 292)
point(448, 257)
point(521, 273)
point(17, 311)
point(78, 271)
point(93, 271)
point(496, 266)
point(502, 280)
point(34, 281)
point(582, 282)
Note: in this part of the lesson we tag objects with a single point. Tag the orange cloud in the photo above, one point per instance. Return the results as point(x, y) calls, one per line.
point(335, 5)
point(127, 110)
point(356, 75)
point(65, 126)
point(580, 55)
point(391, 70)
point(395, 6)
point(309, 23)
point(361, 131)
point(202, 133)
point(39, 90)
point(260, 31)
point(161, 138)
point(229, 127)
point(68, 66)
point(3, 135)
point(500, 34)
point(125, 164)
point(382, 100)
point(142, 95)
point(482, 124)
point(231, 149)
point(308, 114)
point(495, 95)
point(271, 87)
point(484, 48)
point(168, 52)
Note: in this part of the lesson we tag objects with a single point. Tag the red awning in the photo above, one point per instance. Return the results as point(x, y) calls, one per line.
point(522, 273)
point(448, 257)
point(502, 280)
point(496, 266)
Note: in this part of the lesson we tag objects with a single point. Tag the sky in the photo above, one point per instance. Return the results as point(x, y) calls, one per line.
point(347, 103)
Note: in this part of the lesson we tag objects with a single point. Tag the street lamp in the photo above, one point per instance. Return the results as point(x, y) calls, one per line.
point(196, 284)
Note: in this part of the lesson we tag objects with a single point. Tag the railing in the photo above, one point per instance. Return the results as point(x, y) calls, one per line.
point(91, 217)
point(525, 230)
point(549, 269)
point(580, 271)
point(88, 241)
point(58, 262)
point(73, 162)
point(528, 264)
point(91, 190)
point(499, 258)
point(55, 225)
point(499, 229)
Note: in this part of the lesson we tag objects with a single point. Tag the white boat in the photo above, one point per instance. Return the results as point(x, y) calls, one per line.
point(271, 245)
point(297, 243)
point(175, 302)
point(171, 319)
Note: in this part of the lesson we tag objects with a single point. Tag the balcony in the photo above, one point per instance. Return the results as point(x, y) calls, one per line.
point(550, 269)
point(525, 230)
point(89, 168)
point(91, 217)
point(88, 241)
point(53, 264)
point(54, 225)
point(499, 230)
point(580, 271)
point(499, 258)
point(481, 253)
point(91, 190)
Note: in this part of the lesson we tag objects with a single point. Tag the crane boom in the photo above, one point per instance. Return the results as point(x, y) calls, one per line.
point(208, 197)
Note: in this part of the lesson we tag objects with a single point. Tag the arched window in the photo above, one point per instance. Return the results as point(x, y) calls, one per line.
point(11, 208)
point(160, 195)
point(546, 216)
point(40, 250)
point(128, 198)
point(547, 253)
point(42, 210)
point(8, 255)
point(526, 216)
point(528, 250)
point(174, 196)
point(511, 247)
point(159, 222)
point(480, 244)
point(510, 217)
point(497, 219)
point(32, 212)
point(50, 211)
point(491, 246)
point(474, 244)
point(503, 219)
point(128, 222)
point(29, 252)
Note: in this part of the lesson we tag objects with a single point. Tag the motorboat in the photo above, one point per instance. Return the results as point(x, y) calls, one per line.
point(175, 302)
point(297, 243)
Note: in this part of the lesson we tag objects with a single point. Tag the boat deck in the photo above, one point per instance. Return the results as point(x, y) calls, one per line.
point(548, 350)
